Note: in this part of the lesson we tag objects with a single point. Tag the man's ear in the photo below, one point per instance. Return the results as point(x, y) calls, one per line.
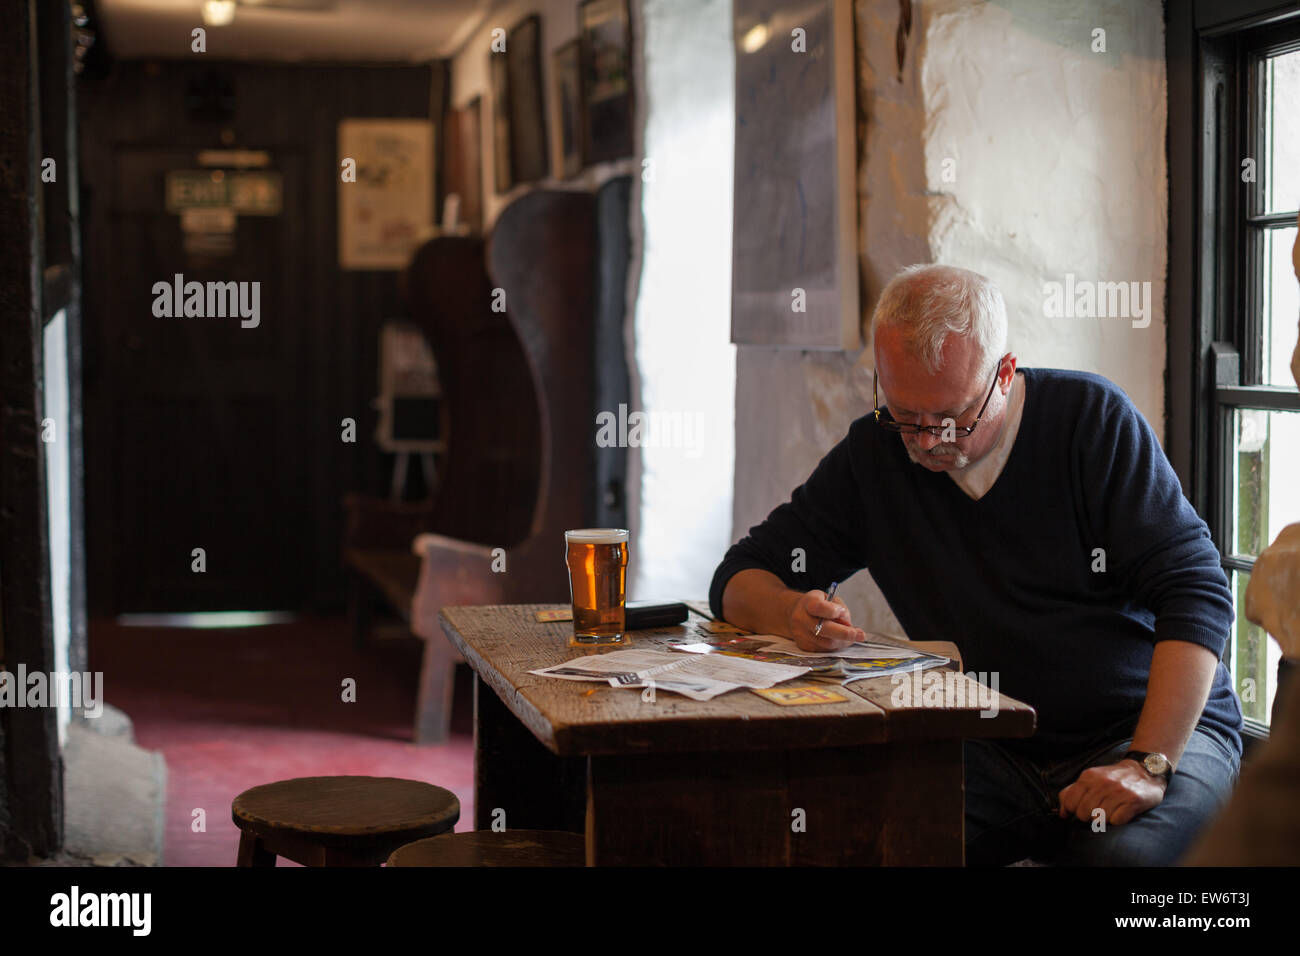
point(1008, 369)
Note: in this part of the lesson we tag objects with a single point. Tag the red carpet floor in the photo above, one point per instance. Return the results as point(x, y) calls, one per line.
point(234, 708)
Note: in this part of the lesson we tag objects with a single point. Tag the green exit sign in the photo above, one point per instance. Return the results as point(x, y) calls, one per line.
point(247, 193)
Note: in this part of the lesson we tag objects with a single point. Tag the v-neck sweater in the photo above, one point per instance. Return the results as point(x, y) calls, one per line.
point(1062, 577)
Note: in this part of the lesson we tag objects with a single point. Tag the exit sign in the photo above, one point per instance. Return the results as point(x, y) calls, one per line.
point(247, 193)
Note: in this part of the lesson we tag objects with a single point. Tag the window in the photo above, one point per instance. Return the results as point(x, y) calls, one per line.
point(1251, 187)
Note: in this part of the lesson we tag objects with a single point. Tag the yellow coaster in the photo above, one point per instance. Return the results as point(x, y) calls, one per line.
point(558, 614)
point(793, 696)
point(720, 627)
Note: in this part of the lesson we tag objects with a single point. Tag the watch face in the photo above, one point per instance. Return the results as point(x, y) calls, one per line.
point(1156, 764)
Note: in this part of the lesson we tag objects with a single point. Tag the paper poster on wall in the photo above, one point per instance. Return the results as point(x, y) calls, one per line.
point(386, 212)
point(794, 249)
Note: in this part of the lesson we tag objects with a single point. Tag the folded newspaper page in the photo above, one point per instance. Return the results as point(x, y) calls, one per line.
point(695, 676)
point(844, 666)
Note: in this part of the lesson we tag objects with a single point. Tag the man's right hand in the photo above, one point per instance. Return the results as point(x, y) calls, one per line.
point(812, 609)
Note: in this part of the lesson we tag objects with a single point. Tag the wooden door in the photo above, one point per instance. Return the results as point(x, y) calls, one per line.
point(195, 425)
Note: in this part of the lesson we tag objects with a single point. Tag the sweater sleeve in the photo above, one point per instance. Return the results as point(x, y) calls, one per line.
point(1156, 545)
point(814, 538)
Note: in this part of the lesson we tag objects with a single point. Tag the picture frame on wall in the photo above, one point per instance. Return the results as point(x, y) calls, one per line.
point(566, 110)
point(794, 275)
point(471, 161)
point(605, 37)
point(498, 74)
point(385, 213)
point(529, 159)
point(461, 160)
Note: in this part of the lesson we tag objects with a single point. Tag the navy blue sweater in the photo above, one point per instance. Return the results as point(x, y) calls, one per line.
point(1009, 578)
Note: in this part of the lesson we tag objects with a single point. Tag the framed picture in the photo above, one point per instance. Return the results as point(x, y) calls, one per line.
point(528, 156)
point(388, 209)
point(566, 110)
point(794, 266)
point(604, 31)
point(461, 160)
point(499, 77)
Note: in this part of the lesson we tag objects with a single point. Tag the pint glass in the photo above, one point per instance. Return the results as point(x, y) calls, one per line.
point(597, 559)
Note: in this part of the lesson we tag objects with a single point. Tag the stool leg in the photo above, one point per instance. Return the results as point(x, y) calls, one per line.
point(252, 852)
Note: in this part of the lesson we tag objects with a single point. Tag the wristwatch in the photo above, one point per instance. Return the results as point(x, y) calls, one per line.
point(1155, 764)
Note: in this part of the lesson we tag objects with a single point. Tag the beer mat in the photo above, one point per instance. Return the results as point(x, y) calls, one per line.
point(719, 627)
point(555, 614)
point(794, 696)
point(587, 647)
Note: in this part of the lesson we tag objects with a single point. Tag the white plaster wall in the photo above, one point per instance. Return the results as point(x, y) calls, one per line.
point(684, 360)
point(1060, 167)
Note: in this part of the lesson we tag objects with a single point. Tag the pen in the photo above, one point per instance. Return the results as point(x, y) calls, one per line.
point(830, 596)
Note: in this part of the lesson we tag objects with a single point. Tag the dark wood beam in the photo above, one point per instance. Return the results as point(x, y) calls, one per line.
point(31, 789)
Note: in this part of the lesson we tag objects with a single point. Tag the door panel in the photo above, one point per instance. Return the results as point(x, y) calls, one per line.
point(202, 416)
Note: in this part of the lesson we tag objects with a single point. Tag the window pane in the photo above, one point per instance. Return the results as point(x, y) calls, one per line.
point(1266, 483)
point(1281, 306)
point(1282, 133)
point(1253, 659)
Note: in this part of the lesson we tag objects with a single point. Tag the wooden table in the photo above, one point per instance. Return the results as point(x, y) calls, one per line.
point(737, 780)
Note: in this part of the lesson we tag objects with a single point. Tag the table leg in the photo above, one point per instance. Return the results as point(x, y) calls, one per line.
point(896, 804)
point(518, 779)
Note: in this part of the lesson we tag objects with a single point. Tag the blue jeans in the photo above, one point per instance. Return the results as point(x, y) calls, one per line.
point(1012, 803)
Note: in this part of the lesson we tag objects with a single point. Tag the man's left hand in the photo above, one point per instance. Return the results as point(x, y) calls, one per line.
point(1121, 790)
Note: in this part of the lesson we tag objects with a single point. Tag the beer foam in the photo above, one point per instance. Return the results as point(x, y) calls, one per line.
point(597, 535)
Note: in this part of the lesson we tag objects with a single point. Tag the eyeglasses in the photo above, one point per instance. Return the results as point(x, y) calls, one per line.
point(886, 420)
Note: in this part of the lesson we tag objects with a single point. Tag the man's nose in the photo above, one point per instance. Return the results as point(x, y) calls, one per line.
point(927, 440)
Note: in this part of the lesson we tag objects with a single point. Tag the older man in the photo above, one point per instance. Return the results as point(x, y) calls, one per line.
point(1030, 516)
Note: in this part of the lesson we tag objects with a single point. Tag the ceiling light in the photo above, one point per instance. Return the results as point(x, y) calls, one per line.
point(754, 40)
point(218, 13)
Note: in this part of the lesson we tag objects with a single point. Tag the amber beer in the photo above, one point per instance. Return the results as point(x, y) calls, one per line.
point(597, 559)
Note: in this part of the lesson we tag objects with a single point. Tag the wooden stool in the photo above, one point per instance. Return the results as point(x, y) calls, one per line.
point(338, 821)
point(485, 848)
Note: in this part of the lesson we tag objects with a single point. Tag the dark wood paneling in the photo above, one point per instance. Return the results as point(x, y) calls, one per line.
point(31, 789)
point(311, 363)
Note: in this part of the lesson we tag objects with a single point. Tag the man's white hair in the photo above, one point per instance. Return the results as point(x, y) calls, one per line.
point(927, 302)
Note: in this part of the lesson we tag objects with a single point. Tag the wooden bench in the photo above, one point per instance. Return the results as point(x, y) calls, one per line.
point(377, 551)
point(392, 574)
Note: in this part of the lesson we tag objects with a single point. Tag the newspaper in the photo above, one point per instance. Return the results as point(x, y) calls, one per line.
point(863, 650)
point(844, 666)
point(698, 677)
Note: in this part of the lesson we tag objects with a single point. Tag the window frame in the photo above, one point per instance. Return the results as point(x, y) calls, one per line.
point(1214, 54)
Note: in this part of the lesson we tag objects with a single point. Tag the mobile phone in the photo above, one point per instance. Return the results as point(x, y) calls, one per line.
point(644, 614)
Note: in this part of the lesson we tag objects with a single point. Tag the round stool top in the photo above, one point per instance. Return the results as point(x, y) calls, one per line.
point(485, 848)
point(347, 809)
